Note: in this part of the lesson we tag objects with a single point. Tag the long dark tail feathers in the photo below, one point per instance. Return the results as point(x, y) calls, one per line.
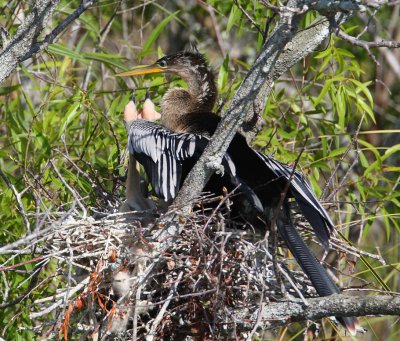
point(318, 222)
point(305, 197)
point(321, 281)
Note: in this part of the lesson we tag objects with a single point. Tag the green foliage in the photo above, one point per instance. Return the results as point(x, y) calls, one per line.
point(61, 123)
point(156, 33)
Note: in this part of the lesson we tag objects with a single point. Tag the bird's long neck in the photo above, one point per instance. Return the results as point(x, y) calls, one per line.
point(199, 97)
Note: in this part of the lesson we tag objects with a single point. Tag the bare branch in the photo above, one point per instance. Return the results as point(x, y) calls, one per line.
point(325, 7)
point(336, 305)
point(217, 30)
point(367, 45)
point(20, 205)
point(24, 44)
point(27, 33)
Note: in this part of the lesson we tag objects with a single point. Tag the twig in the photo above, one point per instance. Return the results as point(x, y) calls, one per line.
point(366, 45)
point(100, 191)
point(57, 304)
point(76, 196)
point(152, 332)
point(258, 28)
point(85, 4)
point(30, 289)
point(20, 205)
point(217, 31)
point(324, 195)
point(262, 306)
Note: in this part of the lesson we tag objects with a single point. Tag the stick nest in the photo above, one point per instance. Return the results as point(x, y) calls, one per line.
point(134, 276)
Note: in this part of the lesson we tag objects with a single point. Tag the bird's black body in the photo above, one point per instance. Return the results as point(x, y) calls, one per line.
point(169, 154)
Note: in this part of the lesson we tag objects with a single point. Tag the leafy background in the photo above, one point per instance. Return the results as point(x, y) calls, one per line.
point(61, 118)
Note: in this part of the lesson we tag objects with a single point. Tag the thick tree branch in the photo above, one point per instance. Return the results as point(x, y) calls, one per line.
point(68, 20)
point(251, 86)
point(302, 44)
point(24, 44)
point(27, 33)
point(336, 305)
point(255, 89)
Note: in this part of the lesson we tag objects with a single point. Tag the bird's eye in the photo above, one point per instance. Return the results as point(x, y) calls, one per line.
point(162, 63)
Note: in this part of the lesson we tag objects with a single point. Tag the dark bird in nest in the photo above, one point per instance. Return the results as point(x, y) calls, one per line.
point(169, 150)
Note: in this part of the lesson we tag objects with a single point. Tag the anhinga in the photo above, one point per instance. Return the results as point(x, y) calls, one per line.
point(168, 152)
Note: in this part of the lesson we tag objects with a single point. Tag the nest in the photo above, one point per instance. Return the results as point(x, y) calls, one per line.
point(133, 276)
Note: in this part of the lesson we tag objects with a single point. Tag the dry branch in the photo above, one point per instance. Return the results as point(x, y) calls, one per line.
point(23, 45)
point(338, 305)
point(366, 45)
point(25, 38)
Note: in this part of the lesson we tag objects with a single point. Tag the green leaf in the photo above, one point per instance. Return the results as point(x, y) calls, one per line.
point(315, 186)
point(107, 59)
point(363, 160)
point(391, 151)
point(9, 89)
point(365, 107)
point(327, 87)
point(344, 52)
point(234, 16)
point(65, 52)
point(364, 88)
point(338, 151)
point(325, 53)
point(372, 149)
point(223, 74)
point(69, 116)
point(156, 33)
point(44, 144)
point(340, 102)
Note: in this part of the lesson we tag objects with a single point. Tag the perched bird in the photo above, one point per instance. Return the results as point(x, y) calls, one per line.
point(169, 150)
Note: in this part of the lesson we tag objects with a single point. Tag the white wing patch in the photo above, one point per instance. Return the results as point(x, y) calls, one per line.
point(161, 152)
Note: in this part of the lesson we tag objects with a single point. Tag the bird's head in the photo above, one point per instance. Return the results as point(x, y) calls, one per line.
point(186, 65)
point(201, 94)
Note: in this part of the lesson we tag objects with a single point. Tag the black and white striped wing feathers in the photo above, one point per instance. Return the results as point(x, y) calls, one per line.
point(161, 153)
point(305, 197)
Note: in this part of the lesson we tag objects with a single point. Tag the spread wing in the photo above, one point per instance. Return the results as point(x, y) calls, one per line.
point(305, 197)
point(167, 157)
point(161, 153)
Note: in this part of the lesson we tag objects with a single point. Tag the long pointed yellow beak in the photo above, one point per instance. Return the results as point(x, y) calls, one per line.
point(142, 71)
